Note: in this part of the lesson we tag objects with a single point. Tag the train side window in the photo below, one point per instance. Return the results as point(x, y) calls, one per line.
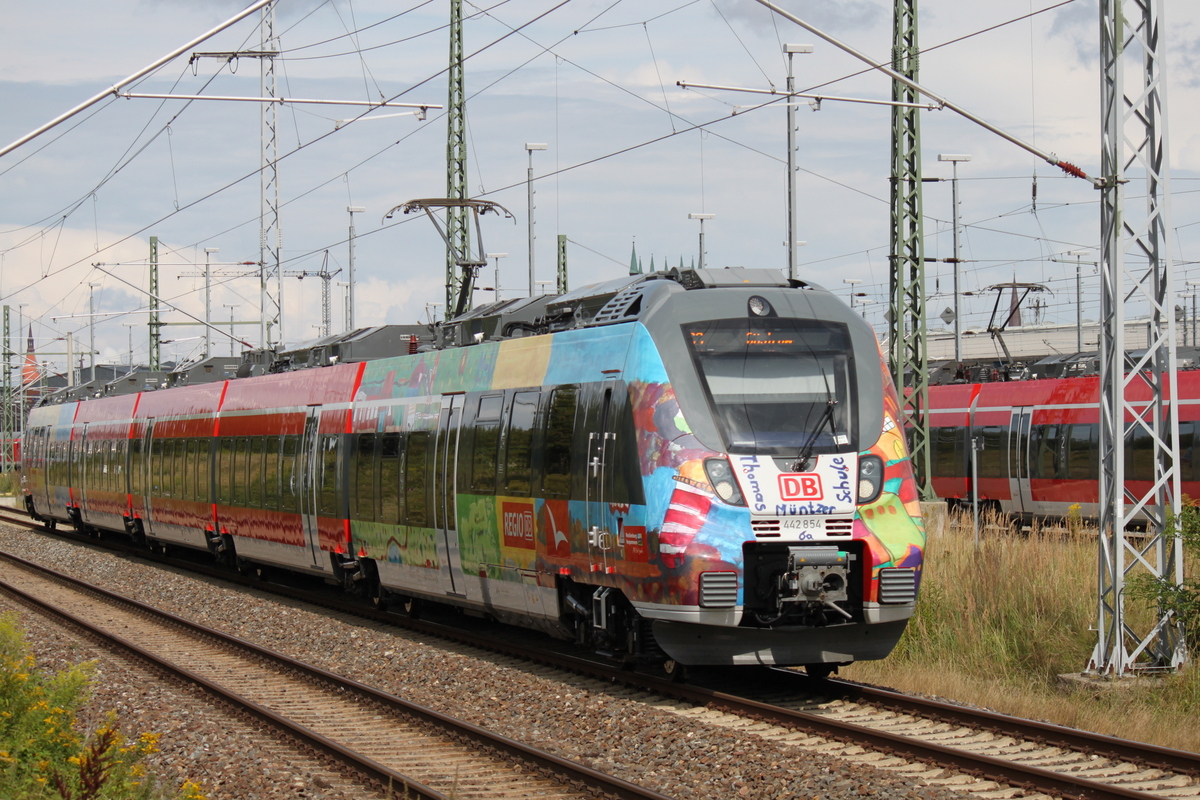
point(1139, 456)
point(518, 445)
point(289, 490)
point(1187, 466)
point(560, 430)
point(188, 451)
point(271, 472)
point(136, 466)
point(241, 460)
point(487, 444)
point(254, 474)
point(362, 474)
point(992, 458)
point(168, 468)
point(389, 478)
point(1083, 457)
point(328, 505)
point(1046, 449)
point(415, 463)
point(949, 451)
point(119, 447)
point(225, 449)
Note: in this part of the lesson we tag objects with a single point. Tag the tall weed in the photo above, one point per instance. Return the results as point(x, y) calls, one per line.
point(42, 754)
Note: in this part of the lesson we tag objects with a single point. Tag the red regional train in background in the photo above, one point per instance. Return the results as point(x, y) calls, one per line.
point(702, 467)
point(1040, 441)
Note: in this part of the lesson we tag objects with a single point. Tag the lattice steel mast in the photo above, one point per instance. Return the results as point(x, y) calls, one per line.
point(1138, 394)
point(154, 324)
point(458, 232)
point(906, 336)
point(270, 235)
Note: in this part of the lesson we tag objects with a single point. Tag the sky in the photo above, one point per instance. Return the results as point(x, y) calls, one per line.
point(629, 154)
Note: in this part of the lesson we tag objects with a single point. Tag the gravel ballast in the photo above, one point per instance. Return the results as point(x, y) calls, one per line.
point(573, 717)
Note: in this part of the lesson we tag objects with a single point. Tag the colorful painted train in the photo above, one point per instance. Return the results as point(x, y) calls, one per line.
point(1040, 445)
point(700, 467)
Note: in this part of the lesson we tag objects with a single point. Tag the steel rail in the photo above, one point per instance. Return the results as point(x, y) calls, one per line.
point(564, 770)
point(997, 769)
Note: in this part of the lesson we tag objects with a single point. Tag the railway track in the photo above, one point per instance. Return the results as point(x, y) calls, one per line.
point(975, 751)
point(395, 745)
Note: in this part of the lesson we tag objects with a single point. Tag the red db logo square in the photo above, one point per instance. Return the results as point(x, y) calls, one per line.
point(800, 487)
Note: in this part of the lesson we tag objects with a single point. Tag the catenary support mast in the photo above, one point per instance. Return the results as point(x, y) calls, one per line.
point(1138, 393)
point(270, 234)
point(906, 336)
point(458, 231)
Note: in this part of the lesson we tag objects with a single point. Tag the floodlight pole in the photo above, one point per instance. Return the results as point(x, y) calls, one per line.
point(701, 217)
point(954, 159)
point(350, 269)
point(853, 282)
point(208, 251)
point(530, 147)
point(792, 49)
point(496, 282)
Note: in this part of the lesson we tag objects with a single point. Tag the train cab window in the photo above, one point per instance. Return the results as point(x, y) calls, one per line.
point(389, 478)
point(518, 444)
point(289, 475)
point(328, 505)
point(362, 493)
point(416, 457)
point(556, 452)
point(487, 444)
point(777, 386)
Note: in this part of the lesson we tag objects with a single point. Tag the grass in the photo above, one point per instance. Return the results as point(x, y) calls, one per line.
point(995, 627)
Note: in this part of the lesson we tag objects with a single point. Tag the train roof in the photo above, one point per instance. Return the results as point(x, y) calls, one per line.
point(603, 303)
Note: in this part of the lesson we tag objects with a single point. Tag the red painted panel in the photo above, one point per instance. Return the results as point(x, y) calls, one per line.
point(292, 389)
point(184, 401)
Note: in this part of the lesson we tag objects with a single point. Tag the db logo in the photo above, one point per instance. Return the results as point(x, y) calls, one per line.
point(800, 487)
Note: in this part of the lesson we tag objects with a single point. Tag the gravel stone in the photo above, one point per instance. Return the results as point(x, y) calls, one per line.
point(574, 717)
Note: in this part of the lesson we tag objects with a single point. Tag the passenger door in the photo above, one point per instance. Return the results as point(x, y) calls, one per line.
point(1018, 460)
point(445, 503)
point(601, 450)
point(308, 467)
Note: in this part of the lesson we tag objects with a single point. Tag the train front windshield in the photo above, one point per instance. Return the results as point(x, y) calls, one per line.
point(777, 386)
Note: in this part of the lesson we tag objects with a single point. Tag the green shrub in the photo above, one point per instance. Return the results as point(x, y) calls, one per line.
point(42, 754)
point(1182, 599)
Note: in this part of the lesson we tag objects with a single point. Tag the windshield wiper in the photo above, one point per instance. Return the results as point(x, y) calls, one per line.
point(825, 419)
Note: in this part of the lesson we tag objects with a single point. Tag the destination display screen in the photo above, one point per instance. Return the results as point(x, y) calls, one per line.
point(777, 386)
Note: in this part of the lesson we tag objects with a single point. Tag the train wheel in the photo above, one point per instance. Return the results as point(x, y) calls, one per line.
point(820, 670)
point(51, 524)
point(675, 672)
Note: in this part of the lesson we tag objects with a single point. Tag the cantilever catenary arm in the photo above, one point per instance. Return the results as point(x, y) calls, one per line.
point(1049, 158)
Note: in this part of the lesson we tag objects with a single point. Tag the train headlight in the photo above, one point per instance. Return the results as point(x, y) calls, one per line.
point(720, 475)
point(870, 478)
point(759, 306)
